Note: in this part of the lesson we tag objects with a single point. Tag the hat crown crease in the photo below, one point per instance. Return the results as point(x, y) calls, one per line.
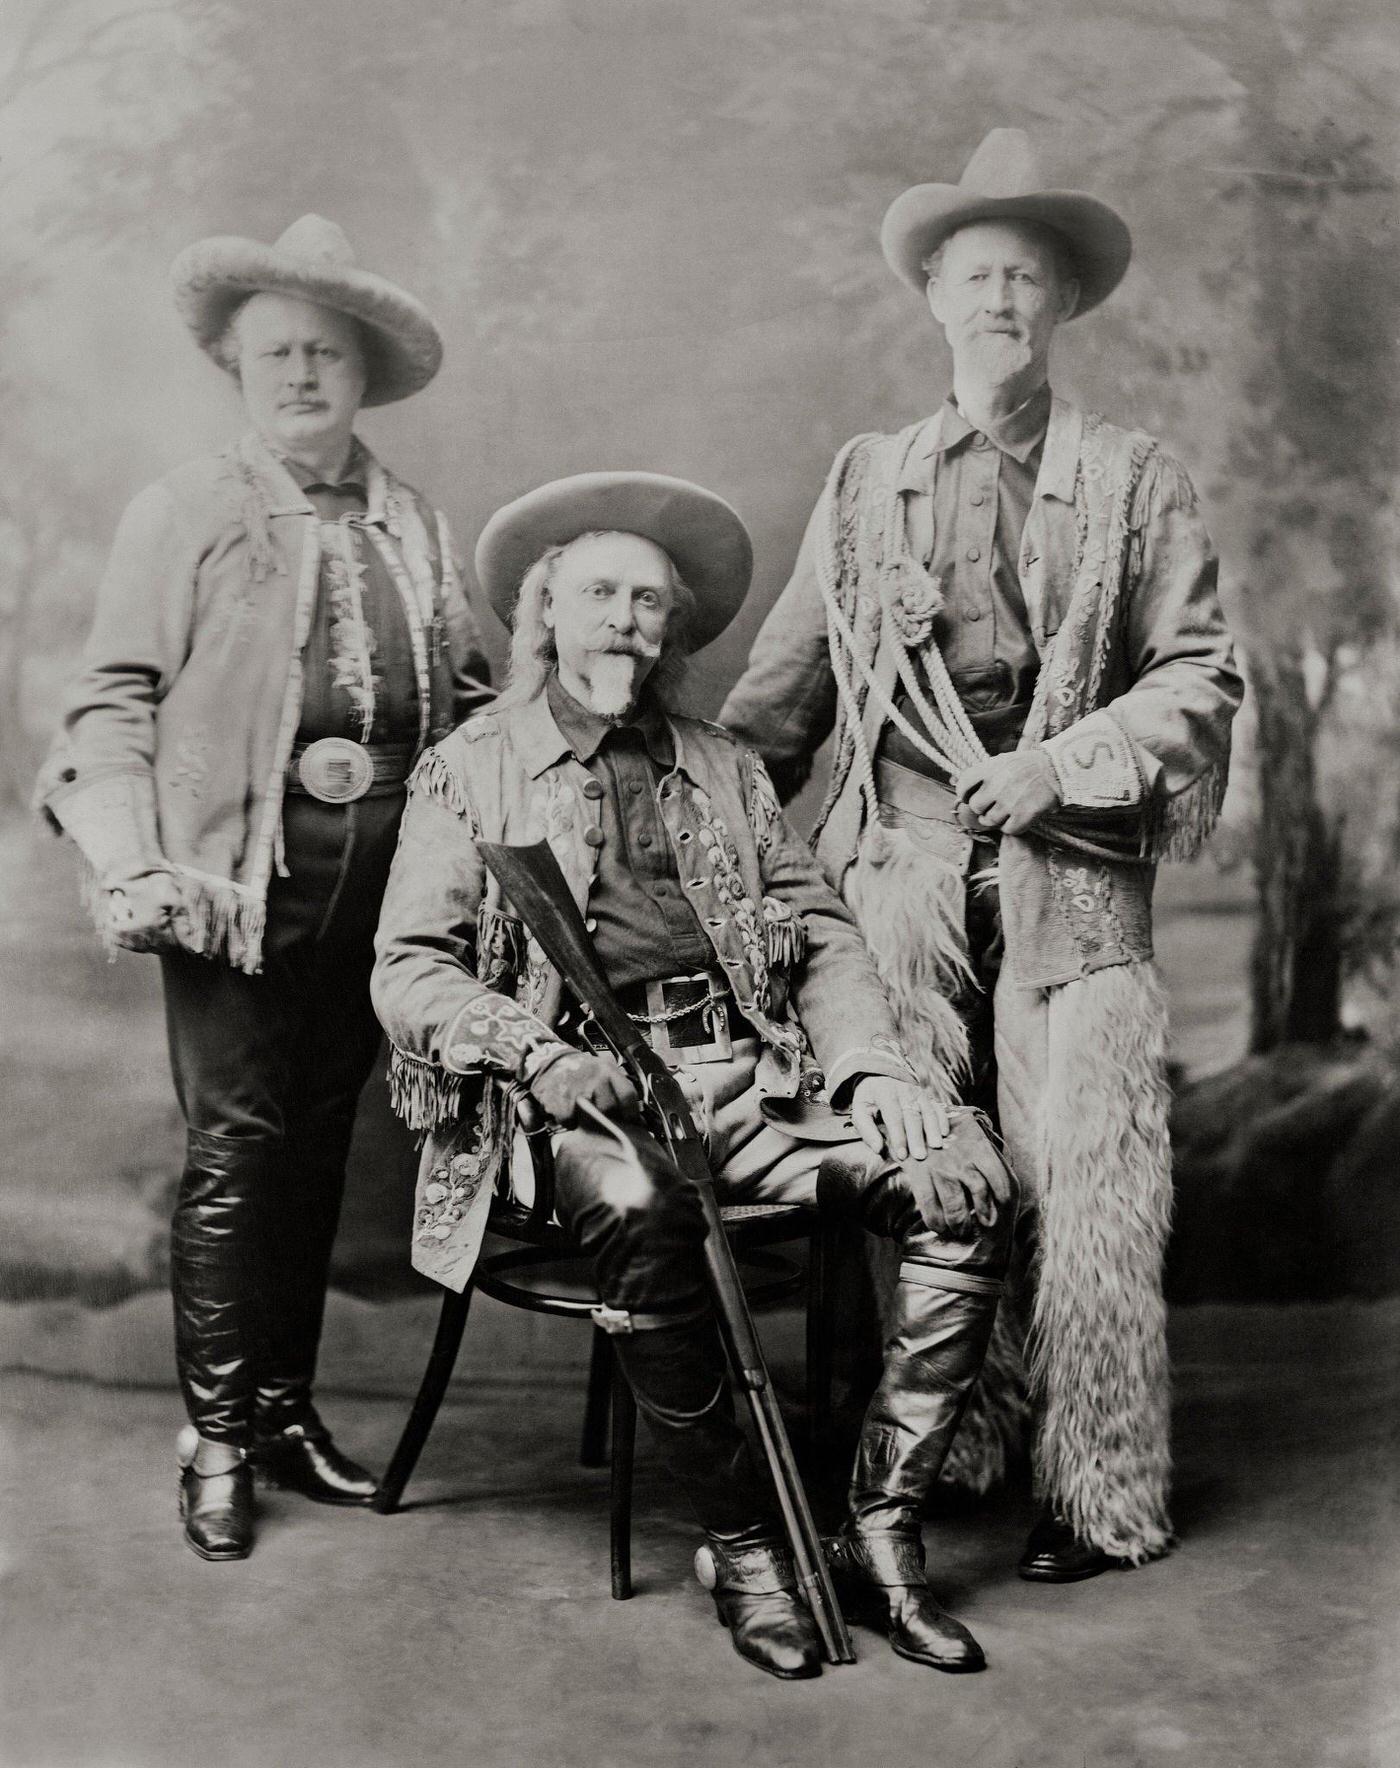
point(1004, 164)
point(314, 237)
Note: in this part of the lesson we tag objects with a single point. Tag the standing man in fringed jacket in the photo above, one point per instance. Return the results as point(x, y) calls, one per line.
point(1008, 612)
point(278, 636)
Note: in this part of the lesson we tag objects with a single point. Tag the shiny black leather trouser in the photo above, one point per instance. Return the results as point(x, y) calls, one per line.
point(644, 1231)
point(268, 1070)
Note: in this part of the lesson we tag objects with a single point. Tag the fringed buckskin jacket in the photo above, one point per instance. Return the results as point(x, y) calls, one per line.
point(1134, 700)
point(455, 968)
point(192, 679)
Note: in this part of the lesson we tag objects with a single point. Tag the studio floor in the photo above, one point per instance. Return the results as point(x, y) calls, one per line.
point(476, 1627)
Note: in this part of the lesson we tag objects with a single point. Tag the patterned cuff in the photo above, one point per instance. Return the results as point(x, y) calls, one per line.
point(493, 1031)
point(1097, 765)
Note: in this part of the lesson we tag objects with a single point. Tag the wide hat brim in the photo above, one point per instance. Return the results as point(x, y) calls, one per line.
point(215, 276)
point(918, 222)
point(704, 536)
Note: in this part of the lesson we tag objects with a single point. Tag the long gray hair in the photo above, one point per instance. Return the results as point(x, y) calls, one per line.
point(532, 648)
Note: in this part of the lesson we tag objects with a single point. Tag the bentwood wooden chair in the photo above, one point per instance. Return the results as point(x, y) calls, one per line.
point(547, 1274)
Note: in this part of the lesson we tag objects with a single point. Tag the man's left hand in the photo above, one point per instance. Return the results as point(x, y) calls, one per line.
point(1007, 793)
point(897, 1118)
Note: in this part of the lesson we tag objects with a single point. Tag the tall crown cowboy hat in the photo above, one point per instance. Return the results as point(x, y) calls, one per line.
point(311, 261)
point(1003, 182)
point(704, 536)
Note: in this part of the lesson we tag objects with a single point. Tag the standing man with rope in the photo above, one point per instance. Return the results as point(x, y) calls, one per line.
point(1008, 612)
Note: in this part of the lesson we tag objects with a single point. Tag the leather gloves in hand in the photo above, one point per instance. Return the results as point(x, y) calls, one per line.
point(560, 1083)
point(144, 913)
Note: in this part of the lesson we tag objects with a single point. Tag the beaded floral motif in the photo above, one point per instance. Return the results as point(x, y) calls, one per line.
point(454, 1183)
point(728, 881)
point(493, 1031)
point(764, 810)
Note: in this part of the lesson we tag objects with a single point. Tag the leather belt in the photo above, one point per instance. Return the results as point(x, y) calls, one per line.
point(686, 1019)
point(917, 794)
point(337, 770)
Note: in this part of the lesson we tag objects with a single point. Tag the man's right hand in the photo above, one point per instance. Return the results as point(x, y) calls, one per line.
point(563, 1084)
point(142, 912)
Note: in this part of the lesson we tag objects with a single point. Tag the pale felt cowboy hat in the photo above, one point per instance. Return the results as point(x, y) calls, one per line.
point(312, 261)
point(704, 536)
point(1003, 182)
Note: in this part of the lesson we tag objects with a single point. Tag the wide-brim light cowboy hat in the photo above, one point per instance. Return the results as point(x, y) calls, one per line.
point(704, 536)
point(1003, 182)
point(311, 261)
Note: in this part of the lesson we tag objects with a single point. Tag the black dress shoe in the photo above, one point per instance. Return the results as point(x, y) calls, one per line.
point(882, 1575)
point(217, 1509)
point(1056, 1555)
point(755, 1592)
point(302, 1458)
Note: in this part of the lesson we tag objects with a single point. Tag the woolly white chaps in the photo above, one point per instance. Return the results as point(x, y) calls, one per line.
point(1083, 1101)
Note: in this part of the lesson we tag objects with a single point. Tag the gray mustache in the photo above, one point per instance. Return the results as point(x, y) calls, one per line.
point(638, 648)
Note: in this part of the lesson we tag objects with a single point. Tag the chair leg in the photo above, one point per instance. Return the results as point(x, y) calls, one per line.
point(443, 1357)
point(593, 1447)
point(821, 1333)
point(624, 1438)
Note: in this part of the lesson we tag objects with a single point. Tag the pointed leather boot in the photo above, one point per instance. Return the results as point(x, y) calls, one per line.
point(302, 1458)
point(882, 1576)
point(752, 1580)
point(214, 1281)
point(216, 1508)
point(940, 1323)
point(298, 1218)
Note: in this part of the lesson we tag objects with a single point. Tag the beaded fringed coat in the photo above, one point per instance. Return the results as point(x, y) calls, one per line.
point(1134, 701)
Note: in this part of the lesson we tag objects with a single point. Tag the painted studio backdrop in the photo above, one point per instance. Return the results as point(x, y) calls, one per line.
point(649, 232)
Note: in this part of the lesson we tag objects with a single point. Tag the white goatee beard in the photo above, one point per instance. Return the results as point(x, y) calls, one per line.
point(613, 683)
point(995, 358)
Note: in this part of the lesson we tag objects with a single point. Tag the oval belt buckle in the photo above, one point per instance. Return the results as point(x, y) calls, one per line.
point(336, 770)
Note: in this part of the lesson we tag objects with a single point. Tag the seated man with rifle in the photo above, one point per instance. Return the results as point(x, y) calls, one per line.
point(715, 935)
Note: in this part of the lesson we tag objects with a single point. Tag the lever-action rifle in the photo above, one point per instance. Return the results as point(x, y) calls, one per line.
point(531, 878)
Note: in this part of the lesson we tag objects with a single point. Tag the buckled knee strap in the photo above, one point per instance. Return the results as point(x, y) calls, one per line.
point(622, 1322)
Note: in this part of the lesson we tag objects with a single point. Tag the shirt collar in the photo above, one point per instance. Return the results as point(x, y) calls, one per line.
point(288, 493)
point(557, 725)
point(1018, 434)
point(354, 477)
point(1061, 428)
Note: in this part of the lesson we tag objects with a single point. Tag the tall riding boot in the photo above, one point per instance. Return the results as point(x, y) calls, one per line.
point(213, 1280)
point(292, 1447)
point(942, 1314)
point(678, 1375)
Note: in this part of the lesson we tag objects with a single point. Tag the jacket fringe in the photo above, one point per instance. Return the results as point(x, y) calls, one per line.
point(221, 919)
point(784, 935)
point(421, 1093)
point(1180, 827)
point(433, 778)
point(908, 905)
point(1098, 1331)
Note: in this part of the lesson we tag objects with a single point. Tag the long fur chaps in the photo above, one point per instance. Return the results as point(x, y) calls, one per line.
point(1090, 1402)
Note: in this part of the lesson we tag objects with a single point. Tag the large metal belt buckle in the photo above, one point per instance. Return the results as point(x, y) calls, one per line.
point(336, 770)
point(663, 1000)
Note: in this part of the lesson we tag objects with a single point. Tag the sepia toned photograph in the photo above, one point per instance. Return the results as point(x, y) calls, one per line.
point(699, 928)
